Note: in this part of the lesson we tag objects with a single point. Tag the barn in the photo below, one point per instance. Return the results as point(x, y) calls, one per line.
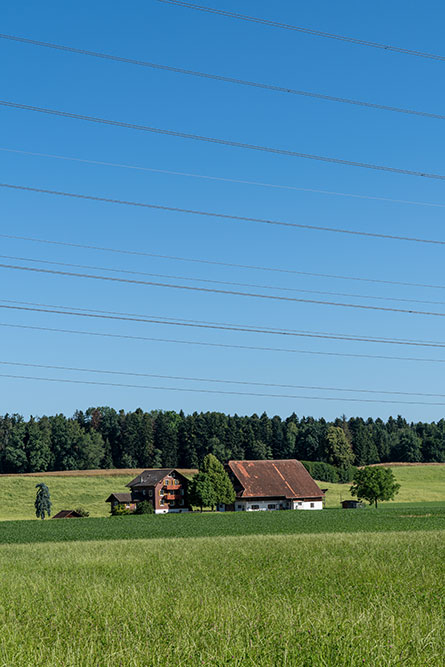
point(272, 485)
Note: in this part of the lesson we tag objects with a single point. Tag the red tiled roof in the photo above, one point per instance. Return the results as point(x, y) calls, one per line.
point(283, 478)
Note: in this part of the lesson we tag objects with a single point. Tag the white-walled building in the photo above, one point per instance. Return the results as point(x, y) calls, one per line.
point(273, 485)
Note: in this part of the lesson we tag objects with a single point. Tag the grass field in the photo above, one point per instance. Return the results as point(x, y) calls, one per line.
point(399, 518)
point(89, 489)
point(309, 601)
point(288, 589)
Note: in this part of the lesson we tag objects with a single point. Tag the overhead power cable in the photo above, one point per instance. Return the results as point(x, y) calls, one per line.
point(222, 142)
point(251, 267)
point(215, 391)
point(208, 290)
point(217, 380)
point(307, 31)
point(223, 326)
point(219, 77)
point(223, 216)
point(221, 282)
point(223, 179)
point(177, 341)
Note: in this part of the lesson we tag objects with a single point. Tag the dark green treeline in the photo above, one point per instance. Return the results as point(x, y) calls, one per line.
point(104, 438)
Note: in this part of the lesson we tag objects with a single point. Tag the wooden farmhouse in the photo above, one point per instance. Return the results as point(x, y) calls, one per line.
point(165, 488)
point(272, 485)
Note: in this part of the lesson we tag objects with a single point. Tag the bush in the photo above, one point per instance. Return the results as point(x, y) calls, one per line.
point(325, 472)
point(119, 510)
point(144, 507)
point(83, 512)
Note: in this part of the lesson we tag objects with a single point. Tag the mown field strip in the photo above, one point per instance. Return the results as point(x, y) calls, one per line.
point(319, 600)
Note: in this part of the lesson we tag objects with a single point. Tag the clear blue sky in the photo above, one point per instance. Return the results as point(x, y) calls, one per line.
point(181, 37)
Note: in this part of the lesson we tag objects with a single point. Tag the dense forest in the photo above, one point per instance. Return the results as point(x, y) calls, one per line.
point(104, 438)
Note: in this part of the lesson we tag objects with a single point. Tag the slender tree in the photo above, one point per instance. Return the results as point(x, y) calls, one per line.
point(43, 501)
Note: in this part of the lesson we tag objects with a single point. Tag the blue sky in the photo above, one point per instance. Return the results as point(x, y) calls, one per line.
point(181, 37)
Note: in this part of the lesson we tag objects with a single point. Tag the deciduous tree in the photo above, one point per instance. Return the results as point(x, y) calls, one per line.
point(373, 484)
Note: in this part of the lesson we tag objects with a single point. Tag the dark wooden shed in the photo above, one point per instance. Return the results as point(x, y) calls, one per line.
point(352, 504)
point(67, 514)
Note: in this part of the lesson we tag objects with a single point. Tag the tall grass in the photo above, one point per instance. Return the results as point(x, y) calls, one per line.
point(285, 601)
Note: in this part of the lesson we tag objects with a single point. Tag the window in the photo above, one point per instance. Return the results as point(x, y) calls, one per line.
point(182, 492)
point(271, 507)
point(312, 504)
point(254, 507)
point(161, 492)
point(150, 492)
point(161, 501)
point(143, 492)
point(181, 503)
point(239, 507)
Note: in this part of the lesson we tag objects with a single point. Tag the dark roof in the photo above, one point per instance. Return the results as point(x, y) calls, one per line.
point(283, 478)
point(120, 497)
point(152, 476)
point(67, 514)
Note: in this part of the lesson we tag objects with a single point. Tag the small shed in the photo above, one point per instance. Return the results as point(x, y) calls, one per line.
point(67, 514)
point(121, 499)
point(352, 504)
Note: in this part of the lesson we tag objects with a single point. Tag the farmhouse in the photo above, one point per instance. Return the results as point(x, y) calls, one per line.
point(272, 485)
point(165, 488)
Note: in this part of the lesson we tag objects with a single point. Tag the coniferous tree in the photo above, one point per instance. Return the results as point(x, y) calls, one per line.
point(43, 501)
point(223, 488)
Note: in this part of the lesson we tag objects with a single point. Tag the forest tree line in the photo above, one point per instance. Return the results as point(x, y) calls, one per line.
point(105, 438)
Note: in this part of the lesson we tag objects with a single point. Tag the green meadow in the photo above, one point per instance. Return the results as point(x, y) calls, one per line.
point(336, 588)
point(418, 484)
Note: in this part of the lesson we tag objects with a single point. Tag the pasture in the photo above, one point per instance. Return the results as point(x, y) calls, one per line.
point(90, 488)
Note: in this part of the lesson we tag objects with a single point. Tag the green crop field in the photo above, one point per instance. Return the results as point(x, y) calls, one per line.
point(399, 518)
point(290, 600)
point(424, 483)
point(336, 588)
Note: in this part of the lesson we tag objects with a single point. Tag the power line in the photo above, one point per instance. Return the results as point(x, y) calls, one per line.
point(221, 345)
point(213, 214)
point(219, 77)
point(151, 283)
point(216, 391)
point(224, 179)
point(221, 142)
point(141, 253)
point(216, 380)
point(202, 324)
point(307, 31)
point(221, 282)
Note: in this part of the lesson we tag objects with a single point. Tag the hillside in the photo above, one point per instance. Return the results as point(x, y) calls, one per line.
point(90, 488)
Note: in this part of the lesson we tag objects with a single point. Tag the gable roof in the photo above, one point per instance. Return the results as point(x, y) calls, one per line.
point(67, 514)
point(120, 497)
point(286, 478)
point(153, 476)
